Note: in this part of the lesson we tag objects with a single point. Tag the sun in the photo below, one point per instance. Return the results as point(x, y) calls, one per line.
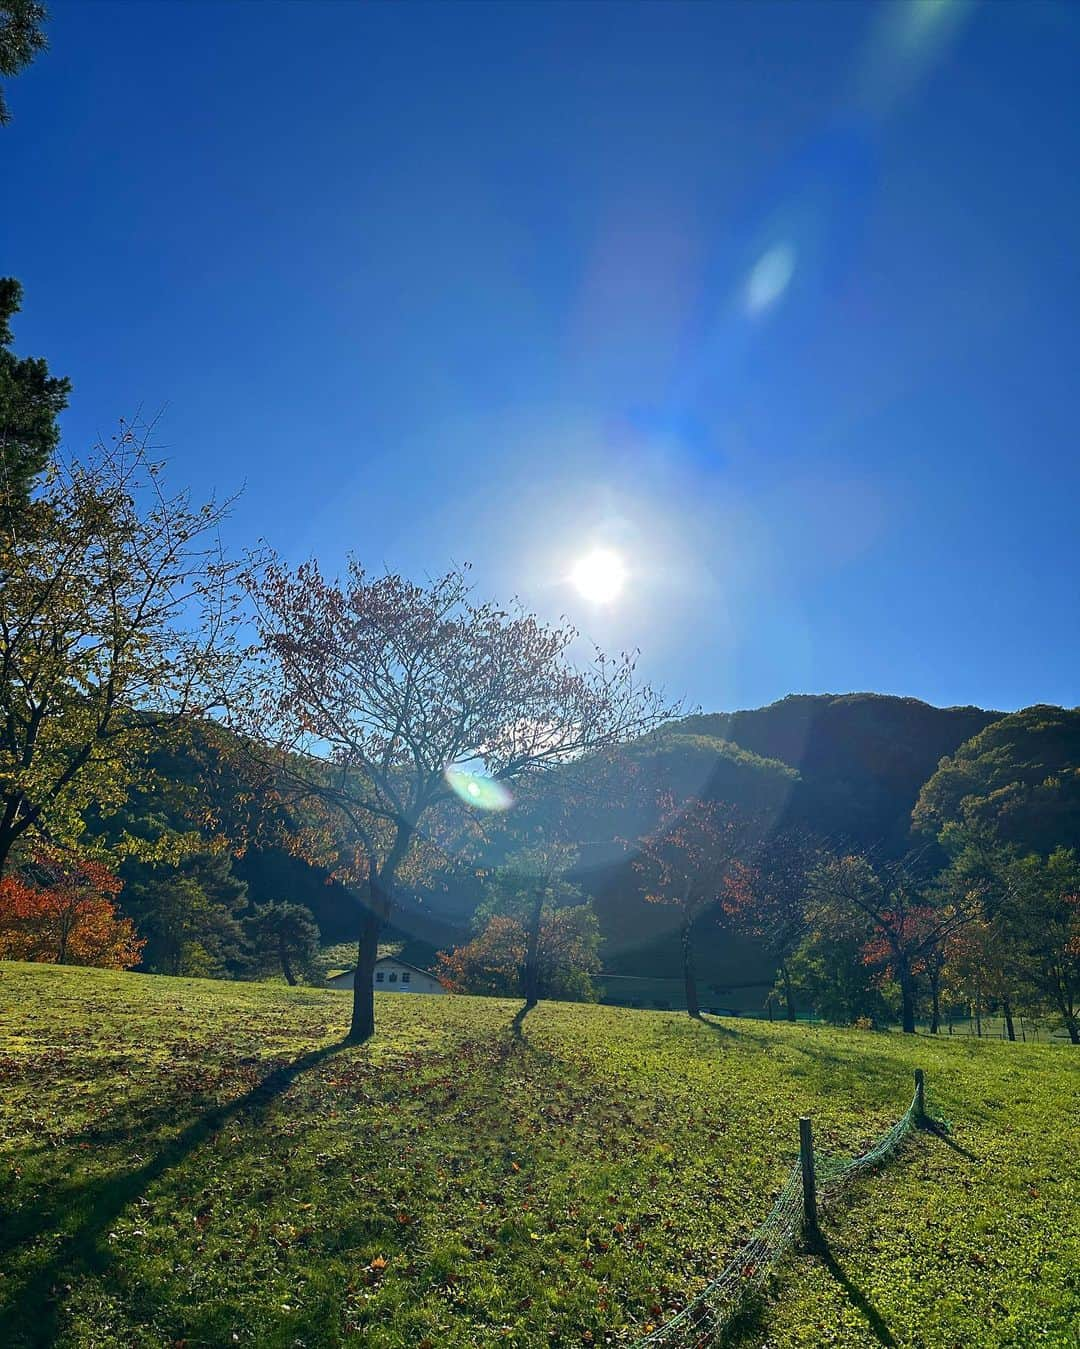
point(599, 576)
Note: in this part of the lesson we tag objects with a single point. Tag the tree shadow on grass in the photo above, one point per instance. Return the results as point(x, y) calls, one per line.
point(31, 1315)
point(874, 1320)
point(519, 1041)
point(719, 1024)
point(517, 1026)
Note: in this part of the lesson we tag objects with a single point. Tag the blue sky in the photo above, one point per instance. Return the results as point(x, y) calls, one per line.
point(779, 301)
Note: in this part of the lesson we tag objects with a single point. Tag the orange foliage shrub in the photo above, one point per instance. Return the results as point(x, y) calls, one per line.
point(62, 912)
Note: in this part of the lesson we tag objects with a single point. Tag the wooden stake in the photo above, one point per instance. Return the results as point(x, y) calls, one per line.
point(809, 1187)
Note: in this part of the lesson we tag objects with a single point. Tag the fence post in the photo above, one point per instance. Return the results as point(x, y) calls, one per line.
point(920, 1095)
point(809, 1186)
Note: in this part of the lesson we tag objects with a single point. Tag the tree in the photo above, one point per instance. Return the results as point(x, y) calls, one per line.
point(565, 957)
point(117, 623)
point(1044, 916)
point(901, 926)
point(31, 400)
point(21, 39)
point(773, 905)
point(189, 912)
point(979, 959)
point(388, 701)
point(61, 910)
point(829, 973)
point(975, 967)
point(529, 885)
point(694, 861)
point(284, 936)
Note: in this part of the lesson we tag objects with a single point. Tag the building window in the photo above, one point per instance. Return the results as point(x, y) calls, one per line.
point(405, 977)
point(393, 976)
point(378, 976)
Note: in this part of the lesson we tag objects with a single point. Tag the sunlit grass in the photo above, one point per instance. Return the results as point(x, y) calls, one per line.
point(187, 1161)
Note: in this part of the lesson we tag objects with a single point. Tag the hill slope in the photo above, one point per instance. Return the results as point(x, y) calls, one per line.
point(194, 1162)
point(861, 757)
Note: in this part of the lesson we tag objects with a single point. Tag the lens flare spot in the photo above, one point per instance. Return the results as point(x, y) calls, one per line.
point(770, 278)
point(477, 790)
point(599, 576)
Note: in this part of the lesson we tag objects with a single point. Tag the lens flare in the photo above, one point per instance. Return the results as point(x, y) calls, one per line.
point(477, 790)
point(770, 278)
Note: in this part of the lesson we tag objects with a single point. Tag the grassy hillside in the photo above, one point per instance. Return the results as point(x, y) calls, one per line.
point(194, 1163)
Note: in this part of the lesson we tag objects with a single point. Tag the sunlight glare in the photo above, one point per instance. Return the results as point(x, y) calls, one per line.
point(599, 576)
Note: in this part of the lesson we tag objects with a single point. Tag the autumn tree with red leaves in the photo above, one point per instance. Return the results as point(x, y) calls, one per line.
point(695, 861)
point(557, 959)
point(773, 904)
point(61, 910)
point(376, 698)
point(891, 898)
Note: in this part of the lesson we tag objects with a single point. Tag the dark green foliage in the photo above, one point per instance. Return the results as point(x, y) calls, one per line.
point(861, 757)
point(511, 890)
point(189, 914)
point(1042, 925)
point(1020, 775)
point(284, 939)
point(194, 796)
point(21, 39)
point(30, 402)
point(269, 871)
point(828, 973)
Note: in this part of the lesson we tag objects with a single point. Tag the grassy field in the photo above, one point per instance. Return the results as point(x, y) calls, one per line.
point(192, 1163)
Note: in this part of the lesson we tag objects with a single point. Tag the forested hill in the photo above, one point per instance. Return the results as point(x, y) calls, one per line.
point(851, 767)
point(861, 757)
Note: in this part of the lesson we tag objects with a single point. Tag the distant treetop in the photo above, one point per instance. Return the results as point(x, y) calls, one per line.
point(21, 38)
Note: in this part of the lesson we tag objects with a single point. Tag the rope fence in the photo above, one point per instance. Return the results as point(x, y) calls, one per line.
point(706, 1316)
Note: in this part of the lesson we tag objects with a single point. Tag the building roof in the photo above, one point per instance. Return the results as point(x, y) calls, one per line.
point(382, 960)
point(398, 961)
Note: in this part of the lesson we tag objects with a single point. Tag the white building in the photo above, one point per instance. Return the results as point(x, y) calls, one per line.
point(392, 976)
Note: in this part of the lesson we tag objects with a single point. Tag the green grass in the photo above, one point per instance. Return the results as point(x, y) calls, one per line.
point(192, 1163)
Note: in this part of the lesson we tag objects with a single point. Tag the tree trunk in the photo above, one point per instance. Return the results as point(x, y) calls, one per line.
point(689, 975)
point(907, 1000)
point(286, 964)
point(1006, 1007)
point(7, 841)
point(363, 1006)
point(531, 973)
point(978, 1018)
point(789, 997)
point(376, 913)
point(935, 1006)
point(1068, 1015)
